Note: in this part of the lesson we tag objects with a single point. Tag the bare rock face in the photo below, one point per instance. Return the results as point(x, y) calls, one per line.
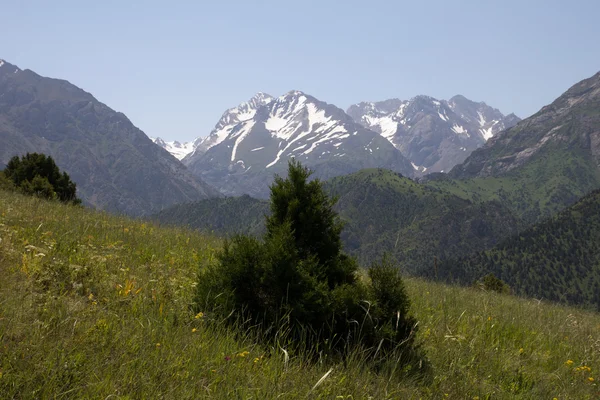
point(115, 165)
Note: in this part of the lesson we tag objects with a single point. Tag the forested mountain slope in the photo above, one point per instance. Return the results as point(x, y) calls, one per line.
point(557, 259)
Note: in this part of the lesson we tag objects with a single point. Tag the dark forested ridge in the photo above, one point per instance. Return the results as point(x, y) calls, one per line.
point(382, 211)
point(385, 212)
point(222, 216)
point(558, 259)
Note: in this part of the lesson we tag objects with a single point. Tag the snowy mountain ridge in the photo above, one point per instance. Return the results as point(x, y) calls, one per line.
point(297, 125)
point(177, 149)
point(434, 134)
point(230, 118)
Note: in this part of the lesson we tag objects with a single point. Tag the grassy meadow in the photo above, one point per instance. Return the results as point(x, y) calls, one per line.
point(98, 306)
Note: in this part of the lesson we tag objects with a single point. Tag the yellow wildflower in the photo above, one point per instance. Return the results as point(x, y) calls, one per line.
point(199, 315)
point(569, 362)
point(257, 359)
point(521, 351)
point(243, 354)
point(194, 330)
point(591, 379)
point(157, 344)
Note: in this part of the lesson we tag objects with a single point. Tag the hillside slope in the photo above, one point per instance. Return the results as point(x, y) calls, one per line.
point(543, 164)
point(558, 259)
point(104, 303)
point(115, 165)
point(383, 212)
point(220, 216)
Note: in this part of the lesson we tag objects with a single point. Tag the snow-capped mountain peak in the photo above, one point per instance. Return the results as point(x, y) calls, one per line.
point(177, 149)
point(293, 125)
point(230, 118)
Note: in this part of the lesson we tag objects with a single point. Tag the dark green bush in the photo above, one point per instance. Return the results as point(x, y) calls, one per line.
point(297, 280)
point(38, 174)
point(5, 183)
point(492, 283)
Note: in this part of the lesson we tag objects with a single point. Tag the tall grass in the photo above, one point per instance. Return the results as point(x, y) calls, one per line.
point(98, 306)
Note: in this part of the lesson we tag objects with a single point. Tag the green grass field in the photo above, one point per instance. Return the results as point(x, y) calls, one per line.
point(98, 306)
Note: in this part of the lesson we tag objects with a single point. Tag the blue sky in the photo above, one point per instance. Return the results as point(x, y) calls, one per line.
point(174, 67)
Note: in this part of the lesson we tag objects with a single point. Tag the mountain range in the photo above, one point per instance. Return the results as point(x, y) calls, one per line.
point(262, 133)
point(253, 142)
point(515, 181)
point(434, 134)
point(513, 190)
point(115, 165)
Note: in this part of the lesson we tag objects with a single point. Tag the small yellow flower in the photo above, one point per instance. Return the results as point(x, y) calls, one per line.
point(591, 379)
point(489, 319)
point(199, 315)
point(157, 344)
point(194, 330)
point(569, 362)
point(243, 354)
point(521, 351)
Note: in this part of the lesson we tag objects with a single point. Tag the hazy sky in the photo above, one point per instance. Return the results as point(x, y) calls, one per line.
point(173, 67)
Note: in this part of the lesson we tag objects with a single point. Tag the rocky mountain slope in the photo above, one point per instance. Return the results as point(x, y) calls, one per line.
point(434, 134)
point(571, 122)
point(543, 164)
point(115, 165)
point(254, 141)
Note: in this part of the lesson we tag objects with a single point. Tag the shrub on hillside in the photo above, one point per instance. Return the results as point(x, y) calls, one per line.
point(5, 183)
point(492, 283)
point(37, 174)
point(297, 280)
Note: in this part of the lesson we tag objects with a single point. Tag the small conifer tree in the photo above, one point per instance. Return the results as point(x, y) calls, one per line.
point(38, 174)
point(298, 279)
